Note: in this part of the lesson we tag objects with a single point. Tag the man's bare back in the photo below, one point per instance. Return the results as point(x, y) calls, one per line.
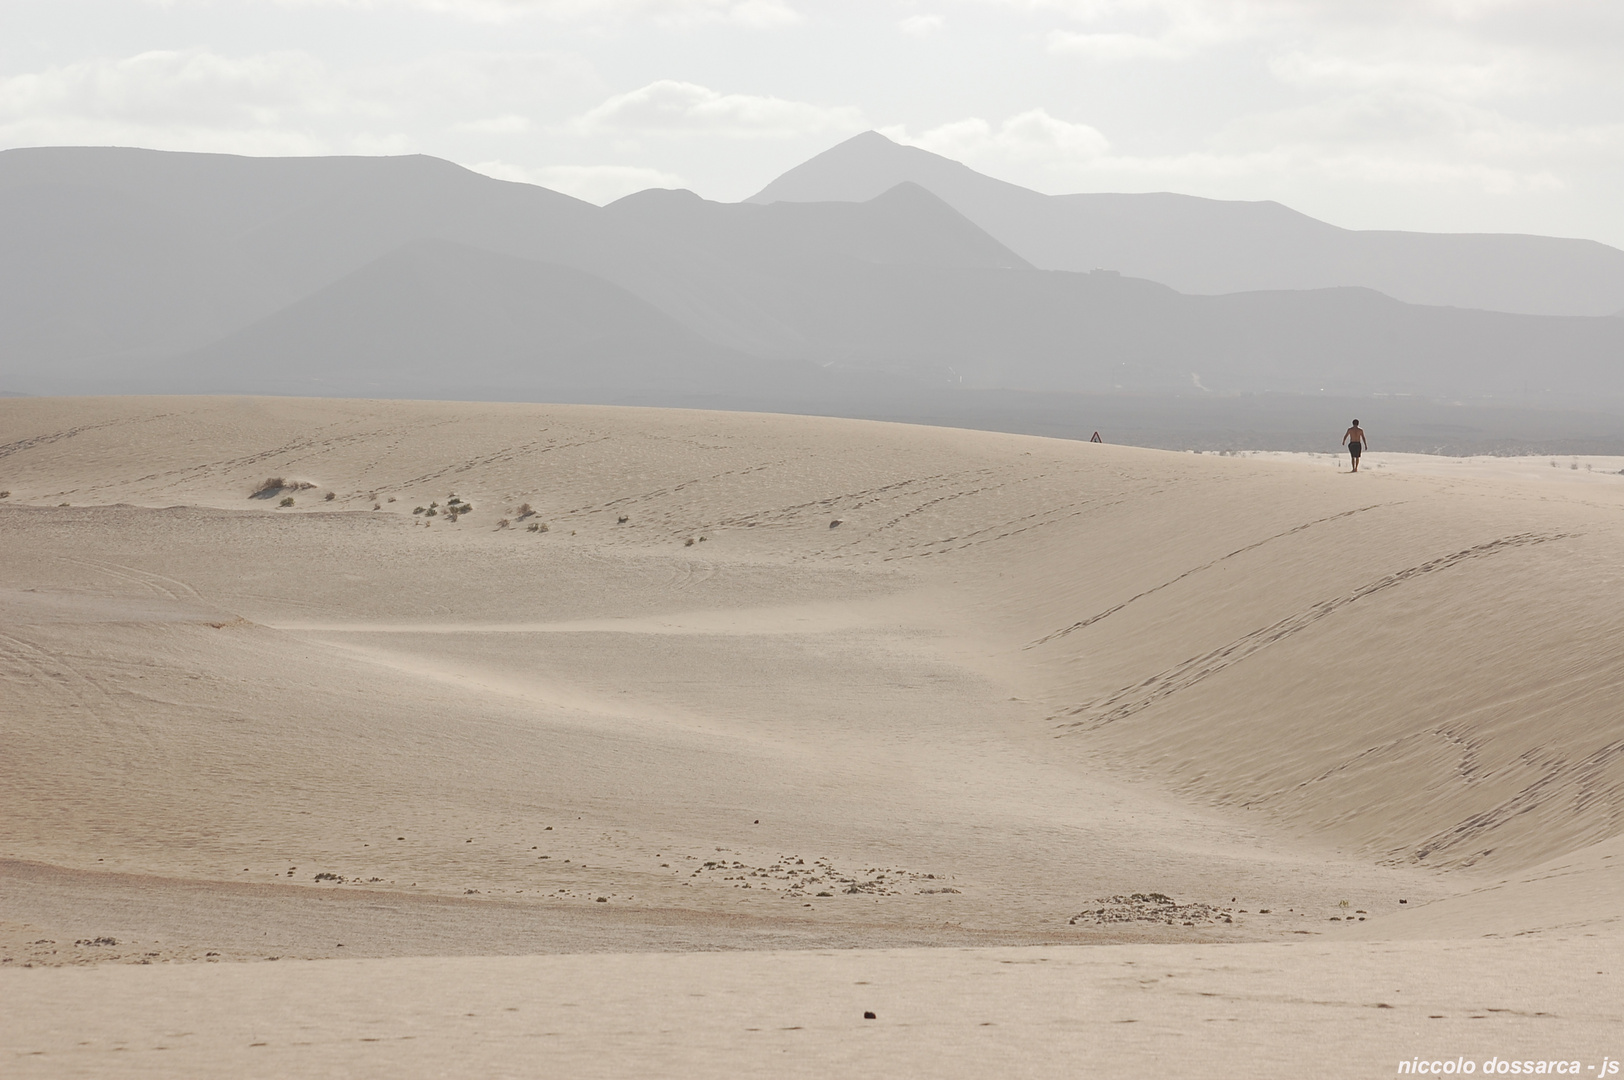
point(1354, 440)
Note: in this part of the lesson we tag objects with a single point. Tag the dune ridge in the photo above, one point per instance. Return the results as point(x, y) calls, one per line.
point(771, 682)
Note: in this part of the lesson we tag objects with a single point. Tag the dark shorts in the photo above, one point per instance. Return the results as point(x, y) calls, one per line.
point(1354, 448)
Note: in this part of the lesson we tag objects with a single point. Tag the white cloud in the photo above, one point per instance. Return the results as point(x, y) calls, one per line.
point(191, 100)
point(921, 25)
point(196, 87)
point(278, 103)
point(1459, 72)
point(508, 124)
point(1127, 30)
point(594, 183)
point(756, 13)
point(1031, 135)
point(671, 107)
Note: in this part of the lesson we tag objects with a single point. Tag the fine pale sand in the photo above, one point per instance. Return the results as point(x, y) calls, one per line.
point(1046, 752)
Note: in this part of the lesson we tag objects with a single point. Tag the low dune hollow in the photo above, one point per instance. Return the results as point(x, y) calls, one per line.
point(596, 741)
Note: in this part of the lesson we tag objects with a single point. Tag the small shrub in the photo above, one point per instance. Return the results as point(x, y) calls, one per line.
point(688, 542)
point(330, 496)
point(391, 498)
point(5, 494)
point(377, 506)
point(533, 528)
point(543, 527)
point(287, 500)
point(503, 523)
point(419, 510)
point(1574, 466)
point(622, 519)
point(525, 511)
point(275, 484)
point(431, 512)
point(325, 876)
point(453, 501)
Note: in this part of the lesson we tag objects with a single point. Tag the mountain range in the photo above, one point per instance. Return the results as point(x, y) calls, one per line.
point(871, 269)
point(1210, 246)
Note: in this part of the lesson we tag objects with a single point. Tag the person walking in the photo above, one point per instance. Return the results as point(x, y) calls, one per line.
point(1354, 439)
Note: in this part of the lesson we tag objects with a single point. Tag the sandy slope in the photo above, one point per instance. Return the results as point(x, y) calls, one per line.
point(1019, 678)
point(1255, 1010)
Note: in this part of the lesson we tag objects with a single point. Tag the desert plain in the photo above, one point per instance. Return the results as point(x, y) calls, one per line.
point(700, 735)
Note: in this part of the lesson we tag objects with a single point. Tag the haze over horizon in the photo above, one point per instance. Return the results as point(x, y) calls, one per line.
point(1471, 116)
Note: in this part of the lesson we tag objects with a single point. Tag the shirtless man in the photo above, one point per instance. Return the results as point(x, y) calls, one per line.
point(1355, 441)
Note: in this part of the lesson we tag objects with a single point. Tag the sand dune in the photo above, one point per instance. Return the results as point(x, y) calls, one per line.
point(773, 682)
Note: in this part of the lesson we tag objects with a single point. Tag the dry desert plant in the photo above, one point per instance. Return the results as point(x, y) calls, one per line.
point(330, 496)
point(525, 511)
point(286, 501)
point(276, 484)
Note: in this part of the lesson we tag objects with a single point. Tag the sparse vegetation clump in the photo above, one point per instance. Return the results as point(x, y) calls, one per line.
point(275, 485)
point(330, 496)
point(622, 519)
point(538, 527)
point(503, 523)
point(286, 501)
point(5, 494)
point(454, 508)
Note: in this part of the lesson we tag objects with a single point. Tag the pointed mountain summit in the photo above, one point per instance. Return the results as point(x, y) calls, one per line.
point(902, 225)
point(1213, 246)
point(868, 165)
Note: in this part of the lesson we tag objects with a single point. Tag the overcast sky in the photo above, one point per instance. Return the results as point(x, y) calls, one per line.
point(1447, 115)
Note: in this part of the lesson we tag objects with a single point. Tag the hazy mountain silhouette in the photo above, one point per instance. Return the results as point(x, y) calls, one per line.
point(132, 269)
point(434, 318)
point(1209, 246)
